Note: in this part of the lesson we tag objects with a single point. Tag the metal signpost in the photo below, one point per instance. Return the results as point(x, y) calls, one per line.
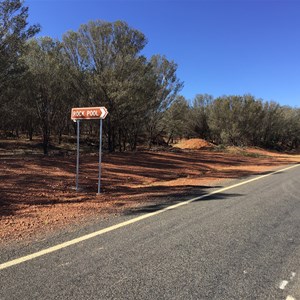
point(88, 113)
point(77, 158)
point(100, 156)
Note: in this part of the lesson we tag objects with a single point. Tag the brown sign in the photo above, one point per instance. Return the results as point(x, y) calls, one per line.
point(88, 113)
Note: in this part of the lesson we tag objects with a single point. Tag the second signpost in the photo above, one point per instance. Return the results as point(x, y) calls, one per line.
point(88, 113)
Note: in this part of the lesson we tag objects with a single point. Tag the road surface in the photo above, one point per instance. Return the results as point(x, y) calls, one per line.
point(242, 242)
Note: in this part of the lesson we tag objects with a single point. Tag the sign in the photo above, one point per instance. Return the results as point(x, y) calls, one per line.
point(88, 113)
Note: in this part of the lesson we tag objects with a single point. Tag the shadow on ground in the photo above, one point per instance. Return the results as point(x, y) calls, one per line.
point(180, 199)
point(46, 181)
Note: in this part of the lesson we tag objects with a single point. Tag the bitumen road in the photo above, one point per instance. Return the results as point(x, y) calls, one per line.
point(239, 242)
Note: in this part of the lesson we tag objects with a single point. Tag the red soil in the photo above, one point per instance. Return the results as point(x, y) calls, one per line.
point(37, 193)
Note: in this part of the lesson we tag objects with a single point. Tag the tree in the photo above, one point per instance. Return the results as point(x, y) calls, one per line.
point(50, 88)
point(198, 120)
point(14, 32)
point(176, 119)
point(107, 54)
point(271, 124)
point(249, 120)
point(167, 87)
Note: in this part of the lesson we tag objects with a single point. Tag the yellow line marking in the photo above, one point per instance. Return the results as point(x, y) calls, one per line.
point(126, 223)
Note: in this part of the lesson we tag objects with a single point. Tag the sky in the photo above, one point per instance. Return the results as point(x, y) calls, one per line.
point(222, 47)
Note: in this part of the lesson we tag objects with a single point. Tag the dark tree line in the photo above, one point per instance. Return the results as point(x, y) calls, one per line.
point(236, 120)
point(101, 64)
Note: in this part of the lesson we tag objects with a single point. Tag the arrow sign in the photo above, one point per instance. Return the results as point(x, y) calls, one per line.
point(88, 113)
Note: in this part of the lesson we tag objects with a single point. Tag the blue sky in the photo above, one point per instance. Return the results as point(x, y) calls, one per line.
point(221, 47)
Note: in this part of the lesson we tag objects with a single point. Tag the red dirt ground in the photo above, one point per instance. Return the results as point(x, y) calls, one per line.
point(37, 193)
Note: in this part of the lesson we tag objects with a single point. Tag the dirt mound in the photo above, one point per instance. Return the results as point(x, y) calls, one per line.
point(194, 144)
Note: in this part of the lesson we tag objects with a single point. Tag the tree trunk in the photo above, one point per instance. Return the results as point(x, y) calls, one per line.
point(60, 137)
point(109, 135)
point(30, 133)
point(170, 138)
point(46, 140)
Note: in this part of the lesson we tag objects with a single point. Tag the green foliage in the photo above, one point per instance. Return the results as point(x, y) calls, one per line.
point(198, 117)
point(246, 121)
point(106, 57)
point(14, 32)
point(108, 65)
point(167, 86)
point(101, 65)
point(175, 119)
point(234, 119)
point(50, 88)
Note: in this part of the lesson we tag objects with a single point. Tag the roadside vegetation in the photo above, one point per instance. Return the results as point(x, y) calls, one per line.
point(101, 64)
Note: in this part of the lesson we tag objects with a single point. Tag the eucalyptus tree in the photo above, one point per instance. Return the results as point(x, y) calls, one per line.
point(287, 129)
point(271, 124)
point(295, 143)
point(176, 119)
point(107, 58)
point(236, 120)
point(14, 32)
point(220, 121)
point(249, 120)
point(50, 87)
point(167, 87)
point(198, 116)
